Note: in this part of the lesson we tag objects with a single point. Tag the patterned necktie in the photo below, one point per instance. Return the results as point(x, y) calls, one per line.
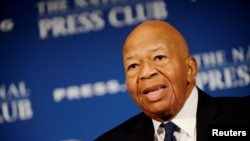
point(169, 131)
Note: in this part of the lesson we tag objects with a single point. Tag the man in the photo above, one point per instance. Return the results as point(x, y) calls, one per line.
point(160, 76)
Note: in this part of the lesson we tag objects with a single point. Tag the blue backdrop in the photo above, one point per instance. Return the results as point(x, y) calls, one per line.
point(61, 71)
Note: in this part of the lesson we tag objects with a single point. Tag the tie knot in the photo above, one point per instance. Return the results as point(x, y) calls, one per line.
point(169, 128)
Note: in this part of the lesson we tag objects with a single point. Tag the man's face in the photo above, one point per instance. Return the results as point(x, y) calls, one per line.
point(156, 75)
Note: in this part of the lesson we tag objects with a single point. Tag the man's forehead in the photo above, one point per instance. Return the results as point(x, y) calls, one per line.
point(141, 40)
point(154, 32)
point(148, 33)
point(133, 53)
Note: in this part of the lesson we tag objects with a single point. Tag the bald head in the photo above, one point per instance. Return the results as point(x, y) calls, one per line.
point(160, 73)
point(155, 30)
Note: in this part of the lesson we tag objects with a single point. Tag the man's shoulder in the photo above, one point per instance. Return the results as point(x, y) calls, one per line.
point(234, 104)
point(122, 130)
point(130, 123)
point(242, 99)
point(225, 102)
point(224, 109)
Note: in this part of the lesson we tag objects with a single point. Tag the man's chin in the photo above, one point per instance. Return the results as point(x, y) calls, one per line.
point(158, 114)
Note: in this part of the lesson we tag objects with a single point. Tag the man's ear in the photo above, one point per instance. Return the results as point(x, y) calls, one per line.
point(192, 69)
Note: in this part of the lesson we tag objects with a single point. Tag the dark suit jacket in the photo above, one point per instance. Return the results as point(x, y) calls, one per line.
point(210, 111)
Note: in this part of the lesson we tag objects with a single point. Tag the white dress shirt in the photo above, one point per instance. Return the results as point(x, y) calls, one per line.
point(185, 121)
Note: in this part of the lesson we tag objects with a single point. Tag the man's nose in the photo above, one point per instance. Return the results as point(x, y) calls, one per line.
point(147, 71)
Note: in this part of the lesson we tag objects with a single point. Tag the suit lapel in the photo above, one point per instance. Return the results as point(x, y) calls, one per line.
point(206, 112)
point(142, 131)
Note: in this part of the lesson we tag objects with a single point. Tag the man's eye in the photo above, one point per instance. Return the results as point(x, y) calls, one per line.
point(160, 57)
point(132, 66)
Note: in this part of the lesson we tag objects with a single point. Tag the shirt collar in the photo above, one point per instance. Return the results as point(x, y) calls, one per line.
point(186, 118)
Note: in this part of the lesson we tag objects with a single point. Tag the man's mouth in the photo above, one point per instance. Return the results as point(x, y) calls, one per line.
point(153, 88)
point(154, 93)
